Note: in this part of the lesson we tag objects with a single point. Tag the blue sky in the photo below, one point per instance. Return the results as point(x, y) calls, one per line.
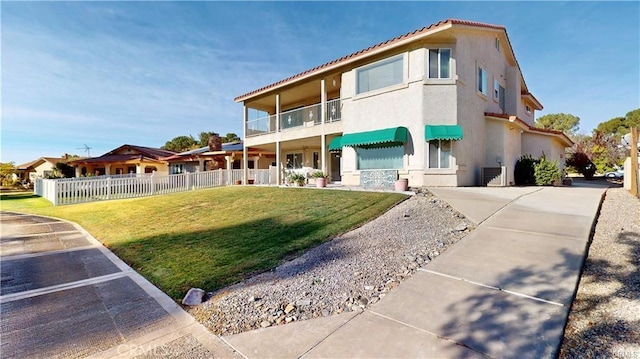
point(109, 73)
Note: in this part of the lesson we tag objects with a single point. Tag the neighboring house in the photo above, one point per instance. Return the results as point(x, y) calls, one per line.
point(435, 106)
point(40, 168)
point(229, 156)
point(126, 159)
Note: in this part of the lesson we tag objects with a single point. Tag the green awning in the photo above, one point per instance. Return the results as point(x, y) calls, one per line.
point(335, 144)
point(387, 137)
point(442, 132)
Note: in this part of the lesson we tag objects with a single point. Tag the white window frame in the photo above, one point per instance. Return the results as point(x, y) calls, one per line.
point(481, 81)
point(496, 90)
point(379, 63)
point(439, 155)
point(439, 62)
point(527, 109)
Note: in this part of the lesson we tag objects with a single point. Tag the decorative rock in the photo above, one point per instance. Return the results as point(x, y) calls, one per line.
point(265, 323)
point(288, 319)
point(461, 227)
point(193, 297)
point(363, 301)
point(325, 313)
point(289, 308)
point(303, 302)
point(368, 287)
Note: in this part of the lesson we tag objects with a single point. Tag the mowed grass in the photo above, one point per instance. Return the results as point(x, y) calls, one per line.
point(214, 237)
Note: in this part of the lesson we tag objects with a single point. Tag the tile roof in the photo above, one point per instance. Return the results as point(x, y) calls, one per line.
point(409, 35)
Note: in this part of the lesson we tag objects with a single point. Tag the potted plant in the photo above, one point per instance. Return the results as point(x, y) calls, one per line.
point(321, 178)
point(298, 178)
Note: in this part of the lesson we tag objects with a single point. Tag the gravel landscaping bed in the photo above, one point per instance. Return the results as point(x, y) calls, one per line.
point(345, 274)
point(604, 321)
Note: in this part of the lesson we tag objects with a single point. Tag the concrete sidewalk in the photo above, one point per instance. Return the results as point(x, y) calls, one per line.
point(65, 295)
point(503, 291)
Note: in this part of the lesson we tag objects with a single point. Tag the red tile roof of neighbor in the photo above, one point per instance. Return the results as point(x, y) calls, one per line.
point(532, 128)
point(116, 158)
point(388, 43)
point(144, 153)
point(152, 152)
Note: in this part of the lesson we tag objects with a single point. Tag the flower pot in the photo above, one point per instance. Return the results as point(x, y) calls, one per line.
point(321, 182)
point(238, 182)
point(402, 184)
point(251, 181)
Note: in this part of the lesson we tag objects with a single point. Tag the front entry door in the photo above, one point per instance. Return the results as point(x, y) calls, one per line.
point(335, 166)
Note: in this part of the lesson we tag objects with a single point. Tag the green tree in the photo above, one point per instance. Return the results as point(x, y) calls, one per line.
point(633, 118)
point(181, 144)
point(204, 138)
point(616, 127)
point(230, 137)
point(7, 170)
point(619, 126)
point(62, 169)
point(564, 122)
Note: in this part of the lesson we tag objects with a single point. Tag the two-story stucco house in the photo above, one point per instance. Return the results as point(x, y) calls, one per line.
point(439, 106)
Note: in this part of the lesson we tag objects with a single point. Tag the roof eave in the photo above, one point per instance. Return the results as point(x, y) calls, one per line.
point(348, 59)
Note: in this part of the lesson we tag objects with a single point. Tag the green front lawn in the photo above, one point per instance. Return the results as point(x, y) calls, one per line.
point(214, 237)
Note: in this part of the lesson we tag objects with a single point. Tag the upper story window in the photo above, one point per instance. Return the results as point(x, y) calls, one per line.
point(497, 44)
point(439, 63)
point(527, 109)
point(385, 73)
point(482, 80)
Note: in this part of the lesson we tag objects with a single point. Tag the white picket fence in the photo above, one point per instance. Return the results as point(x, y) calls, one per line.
point(79, 190)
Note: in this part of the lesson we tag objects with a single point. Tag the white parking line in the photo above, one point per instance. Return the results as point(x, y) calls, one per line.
point(42, 254)
point(60, 287)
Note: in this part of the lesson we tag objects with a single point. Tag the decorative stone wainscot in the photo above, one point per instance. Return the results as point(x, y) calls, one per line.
point(378, 178)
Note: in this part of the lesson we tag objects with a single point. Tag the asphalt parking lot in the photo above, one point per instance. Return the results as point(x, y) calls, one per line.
point(64, 295)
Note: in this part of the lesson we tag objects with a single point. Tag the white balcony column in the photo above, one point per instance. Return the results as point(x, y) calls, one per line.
point(78, 171)
point(278, 169)
point(323, 117)
point(245, 160)
point(201, 165)
point(107, 169)
point(229, 160)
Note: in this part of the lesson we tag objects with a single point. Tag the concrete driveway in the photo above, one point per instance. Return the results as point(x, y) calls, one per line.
point(502, 291)
point(64, 295)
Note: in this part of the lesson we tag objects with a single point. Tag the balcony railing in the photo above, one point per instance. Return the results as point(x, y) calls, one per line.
point(305, 116)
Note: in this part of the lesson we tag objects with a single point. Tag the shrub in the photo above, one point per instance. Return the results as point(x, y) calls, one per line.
point(547, 172)
point(524, 173)
point(298, 178)
point(581, 162)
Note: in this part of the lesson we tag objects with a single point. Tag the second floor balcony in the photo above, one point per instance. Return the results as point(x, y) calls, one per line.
point(307, 116)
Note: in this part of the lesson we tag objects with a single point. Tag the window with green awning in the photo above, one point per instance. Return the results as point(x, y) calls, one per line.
point(387, 137)
point(442, 132)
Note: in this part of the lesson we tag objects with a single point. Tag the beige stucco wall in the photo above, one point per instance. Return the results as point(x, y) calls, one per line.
point(627, 173)
point(39, 171)
point(398, 105)
point(476, 150)
point(536, 144)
